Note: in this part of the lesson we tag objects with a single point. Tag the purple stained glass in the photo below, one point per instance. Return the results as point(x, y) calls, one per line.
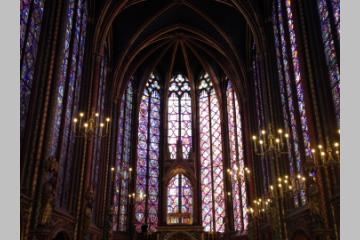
point(71, 146)
point(298, 79)
point(179, 116)
point(123, 148)
point(70, 98)
point(147, 169)
point(335, 4)
point(67, 97)
point(31, 14)
point(329, 47)
point(292, 100)
point(186, 195)
point(99, 109)
point(179, 197)
point(173, 124)
point(98, 143)
point(173, 195)
point(70, 11)
point(260, 112)
point(239, 196)
point(212, 182)
point(287, 87)
point(282, 57)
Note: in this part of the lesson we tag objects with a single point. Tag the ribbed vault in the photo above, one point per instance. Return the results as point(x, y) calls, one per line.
point(177, 36)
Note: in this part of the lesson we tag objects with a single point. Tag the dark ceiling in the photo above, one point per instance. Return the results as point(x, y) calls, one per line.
point(180, 36)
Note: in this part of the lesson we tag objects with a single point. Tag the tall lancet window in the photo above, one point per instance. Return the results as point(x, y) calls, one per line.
point(329, 21)
point(179, 118)
point(31, 14)
point(67, 95)
point(238, 182)
point(180, 201)
point(123, 147)
point(99, 143)
point(291, 83)
point(147, 169)
point(211, 158)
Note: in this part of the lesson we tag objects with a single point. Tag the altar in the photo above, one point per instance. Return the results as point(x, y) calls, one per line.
point(180, 232)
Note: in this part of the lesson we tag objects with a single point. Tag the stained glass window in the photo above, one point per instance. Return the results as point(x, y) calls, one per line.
point(179, 200)
point(31, 14)
point(285, 84)
point(122, 177)
point(335, 5)
point(68, 93)
point(61, 85)
point(212, 175)
point(329, 47)
point(238, 184)
point(298, 79)
point(259, 106)
point(291, 83)
point(179, 117)
point(147, 169)
point(73, 92)
point(99, 109)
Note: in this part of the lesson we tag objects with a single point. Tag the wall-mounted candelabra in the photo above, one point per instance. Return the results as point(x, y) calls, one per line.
point(138, 197)
point(91, 127)
point(238, 173)
point(268, 142)
point(323, 156)
point(271, 143)
point(284, 187)
point(286, 190)
point(270, 207)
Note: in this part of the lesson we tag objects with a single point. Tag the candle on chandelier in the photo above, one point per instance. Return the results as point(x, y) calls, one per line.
point(255, 145)
point(86, 125)
point(107, 125)
point(280, 132)
point(75, 124)
point(277, 140)
point(322, 156)
point(261, 142)
point(313, 155)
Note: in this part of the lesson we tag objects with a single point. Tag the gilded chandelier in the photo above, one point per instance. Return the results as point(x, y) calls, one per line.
point(91, 127)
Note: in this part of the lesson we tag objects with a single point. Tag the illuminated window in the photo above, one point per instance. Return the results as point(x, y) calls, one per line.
point(31, 14)
point(327, 20)
point(179, 117)
point(291, 83)
point(212, 175)
point(238, 184)
point(147, 170)
point(122, 178)
point(179, 200)
point(68, 94)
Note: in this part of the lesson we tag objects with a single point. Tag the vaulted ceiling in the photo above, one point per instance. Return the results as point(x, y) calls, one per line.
point(179, 36)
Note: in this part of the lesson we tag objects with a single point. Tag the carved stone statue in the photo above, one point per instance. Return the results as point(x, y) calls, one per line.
point(49, 190)
point(88, 208)
point(313, 203)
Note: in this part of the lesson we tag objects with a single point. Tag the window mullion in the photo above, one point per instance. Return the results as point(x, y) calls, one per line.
point(179, 198)
point(211, 161)
point(179, 122)
point(147, 159)
point(237, 162)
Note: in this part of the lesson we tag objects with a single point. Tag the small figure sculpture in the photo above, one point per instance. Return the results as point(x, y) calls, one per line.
point(49, 190)
point(313, 203)
point(88, 207)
